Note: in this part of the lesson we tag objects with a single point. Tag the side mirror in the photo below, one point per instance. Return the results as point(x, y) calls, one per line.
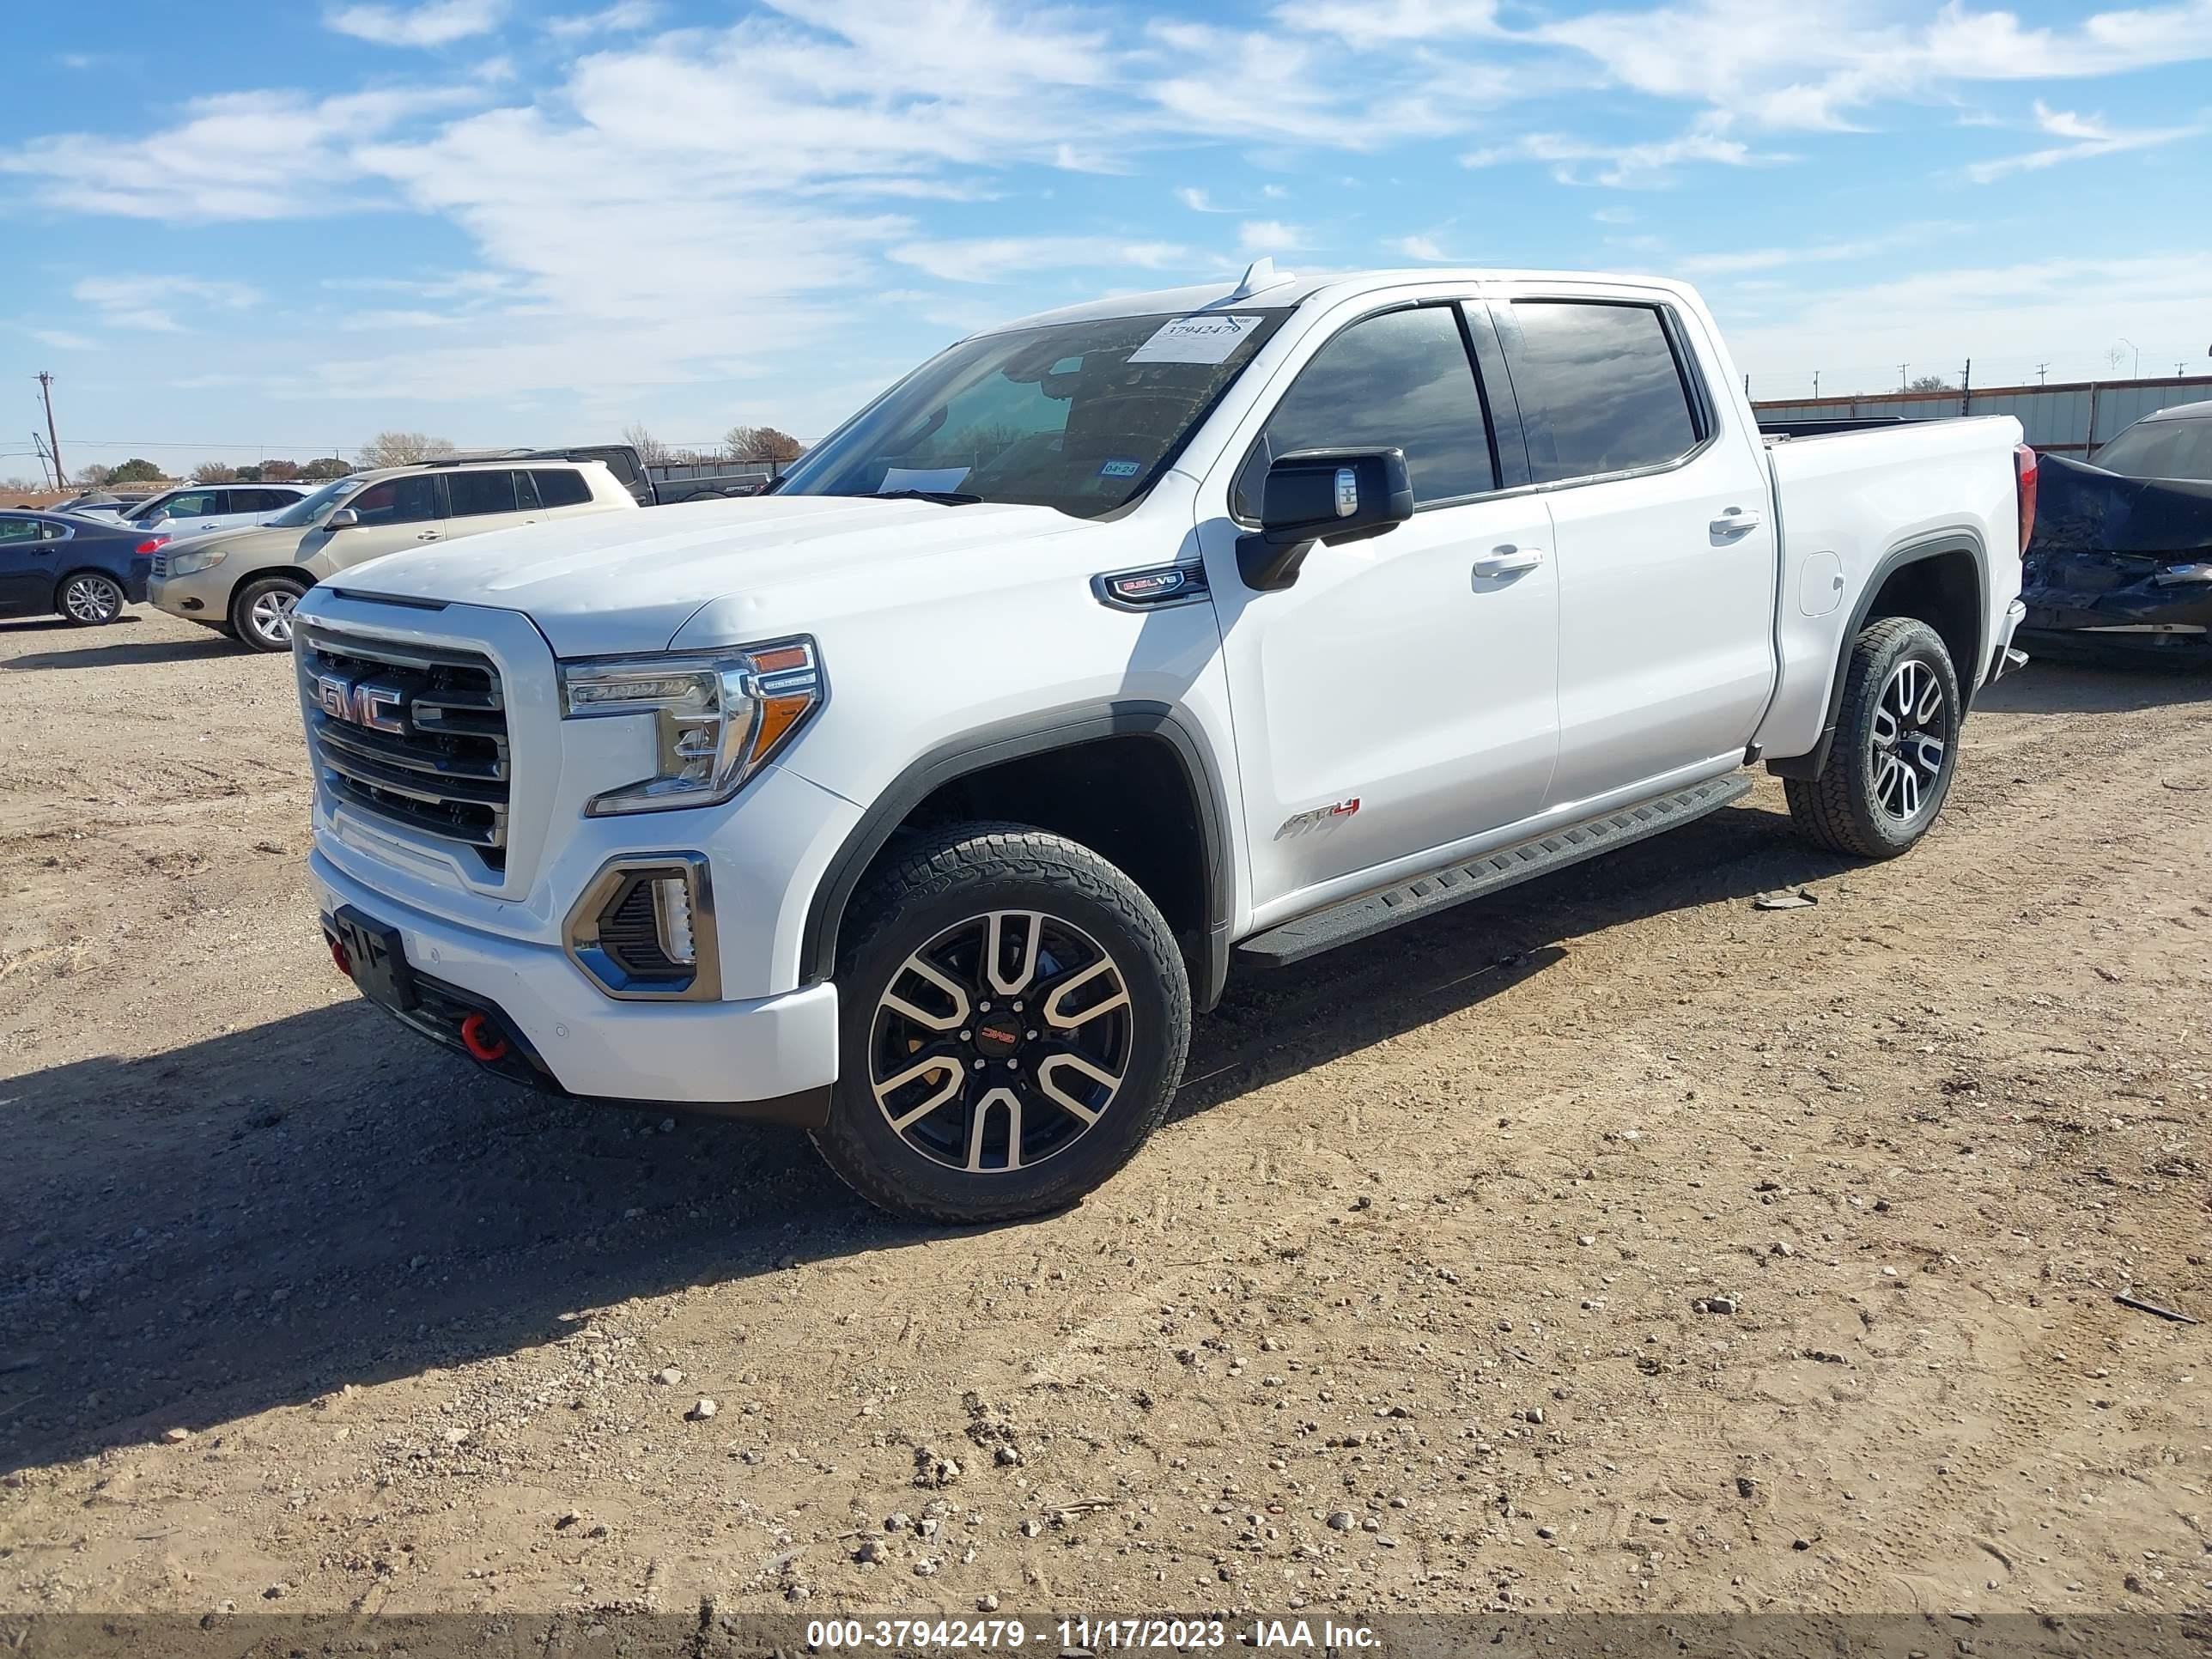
point(344, 519)
point(1322, 494)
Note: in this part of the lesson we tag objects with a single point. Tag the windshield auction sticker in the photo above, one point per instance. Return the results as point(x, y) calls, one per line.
point(1203, 339)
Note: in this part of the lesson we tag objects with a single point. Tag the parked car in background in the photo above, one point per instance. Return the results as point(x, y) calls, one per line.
point(922, 801)
point(96, 503)
point(2121, 563)
point(246, 582)
point(83, 570)
point(195, 509)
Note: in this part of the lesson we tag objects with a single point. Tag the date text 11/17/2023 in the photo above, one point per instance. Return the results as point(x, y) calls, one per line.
point(1095, 1635)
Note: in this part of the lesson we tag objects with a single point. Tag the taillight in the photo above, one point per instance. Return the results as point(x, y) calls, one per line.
point(2024, 467)
point(147, 548)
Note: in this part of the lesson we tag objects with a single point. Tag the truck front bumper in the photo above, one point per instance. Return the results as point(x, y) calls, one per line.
point(770, 1057)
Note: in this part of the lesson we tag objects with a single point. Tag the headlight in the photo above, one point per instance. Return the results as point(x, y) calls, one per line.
point(191, 562)
point(2178, 576)
point(718, 716)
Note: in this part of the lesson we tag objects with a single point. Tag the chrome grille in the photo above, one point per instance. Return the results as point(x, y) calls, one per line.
point(161, 563)
point(428, 750)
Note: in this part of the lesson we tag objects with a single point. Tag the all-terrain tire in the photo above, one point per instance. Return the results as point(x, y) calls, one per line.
point(959, 901)
point(261, 612)
point(1853, 806)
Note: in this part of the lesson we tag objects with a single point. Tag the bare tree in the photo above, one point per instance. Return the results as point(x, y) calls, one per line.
point(400, 448)
point(760, 443)
point(650, 449)
point(279, 471)
point(1930, 383)
point(95, 475)
point(213, 472)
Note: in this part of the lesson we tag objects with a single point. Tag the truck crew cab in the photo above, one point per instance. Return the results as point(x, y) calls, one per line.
point(922, 801)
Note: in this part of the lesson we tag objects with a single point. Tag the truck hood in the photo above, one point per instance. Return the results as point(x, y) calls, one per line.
point(617, 582)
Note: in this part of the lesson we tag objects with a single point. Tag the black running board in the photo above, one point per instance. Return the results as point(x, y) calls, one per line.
point(1509, 866)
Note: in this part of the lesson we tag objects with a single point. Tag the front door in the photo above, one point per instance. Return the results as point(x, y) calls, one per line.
point(1400, 696)
point(1659, 506)
point(28, 568)
point(408, 511)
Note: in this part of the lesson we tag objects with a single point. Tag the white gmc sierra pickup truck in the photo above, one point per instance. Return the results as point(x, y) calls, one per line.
point(923, 801)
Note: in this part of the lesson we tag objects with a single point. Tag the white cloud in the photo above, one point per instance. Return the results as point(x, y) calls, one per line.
point(994, 258)
point(238, 155)
point(1198, 201)
point(1269, 236)
point(1368, 23)
point(149, 302)
point(621, 17)
point(1622, 166)
point(1615, 215)
point(1274, 192)
point(2086, 134)
point(1420, 247)
point(62, 340)
point(1830, 252)
point(433, 23)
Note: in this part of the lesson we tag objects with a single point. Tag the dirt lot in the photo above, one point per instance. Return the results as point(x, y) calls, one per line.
point(1424, 1246)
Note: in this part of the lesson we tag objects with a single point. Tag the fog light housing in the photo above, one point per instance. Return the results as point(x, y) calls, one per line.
point(644, 929)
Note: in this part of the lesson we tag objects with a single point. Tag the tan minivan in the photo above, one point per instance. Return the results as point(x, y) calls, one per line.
point(246, 582)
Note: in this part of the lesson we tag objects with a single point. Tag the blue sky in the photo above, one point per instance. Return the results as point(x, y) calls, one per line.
point(283, 231)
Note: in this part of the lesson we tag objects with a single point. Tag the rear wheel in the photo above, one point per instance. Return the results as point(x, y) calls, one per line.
point(1015, 1016)
point(1897, 745)
point(89, 598)
point(261, 612)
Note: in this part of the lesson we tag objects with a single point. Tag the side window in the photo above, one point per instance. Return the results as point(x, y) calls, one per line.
point(260, 501)
point(19, 530)
point(560, 486)
point(194, 504)
point(525, 492)
point(410, 500)
point(1600, 388)
point(1403, 379)
point(475, 493)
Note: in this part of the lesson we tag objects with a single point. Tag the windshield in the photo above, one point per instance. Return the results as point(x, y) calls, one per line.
point(301, 513)
point(1078, 416)
point(2161, 449)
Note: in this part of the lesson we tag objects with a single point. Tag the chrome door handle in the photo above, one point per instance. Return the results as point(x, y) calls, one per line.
point(1736, 521)
point(427, 536)
point(1505, 560)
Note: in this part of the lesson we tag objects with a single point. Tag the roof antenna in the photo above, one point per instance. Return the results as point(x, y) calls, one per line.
point(1259, 274)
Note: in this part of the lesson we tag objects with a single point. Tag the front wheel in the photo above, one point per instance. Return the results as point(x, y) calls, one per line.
point(1014, 1016)
point(1896, 747)
point(261, 612)
point(89, 599)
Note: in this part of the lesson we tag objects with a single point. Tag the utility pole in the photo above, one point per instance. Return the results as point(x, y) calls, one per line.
point(1747, 385)
point(38, 447)
point(2179, 369)
point(1816, 383)
point(2042, 373)
point(46, 391)
point(1901, 367)
point(1967, 389)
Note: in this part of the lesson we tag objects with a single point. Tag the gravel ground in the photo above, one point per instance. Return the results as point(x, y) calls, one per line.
point(1610, 1245)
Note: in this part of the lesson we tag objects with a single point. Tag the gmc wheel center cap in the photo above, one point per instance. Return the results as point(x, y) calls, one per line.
point(998, 1037)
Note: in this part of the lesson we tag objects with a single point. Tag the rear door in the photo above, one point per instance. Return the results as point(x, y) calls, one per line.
point(479, 499)
point(1659, 509)
point(195, 512)
point(563, 492)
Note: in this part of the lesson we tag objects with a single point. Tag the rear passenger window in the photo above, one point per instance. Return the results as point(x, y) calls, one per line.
point(1401, 380)
point(1600, 388)
point(560, 486)
point(475, 493)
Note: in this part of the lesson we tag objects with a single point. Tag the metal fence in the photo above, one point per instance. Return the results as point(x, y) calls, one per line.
point(2070, 419)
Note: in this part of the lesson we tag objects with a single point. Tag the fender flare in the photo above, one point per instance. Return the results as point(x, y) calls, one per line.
point(1814, 761)
point(1039, 733)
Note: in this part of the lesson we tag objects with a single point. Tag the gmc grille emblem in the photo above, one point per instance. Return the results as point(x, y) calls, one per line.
point(359, 703)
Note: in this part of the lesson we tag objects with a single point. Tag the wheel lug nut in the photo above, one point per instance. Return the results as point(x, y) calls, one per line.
point(1032, 1036)
point(983, 1007)
point(966, 1036)
point(1012, 1065)
point(1017, 1006)
point(979, 1064)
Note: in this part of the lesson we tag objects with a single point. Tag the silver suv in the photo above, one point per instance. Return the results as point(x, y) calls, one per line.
point(246, 582)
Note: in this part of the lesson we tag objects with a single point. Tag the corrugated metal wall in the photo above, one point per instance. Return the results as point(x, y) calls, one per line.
point(2070, 419)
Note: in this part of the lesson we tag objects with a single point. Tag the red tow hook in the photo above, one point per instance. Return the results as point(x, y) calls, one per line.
point(338, 954)
point(482, 1039)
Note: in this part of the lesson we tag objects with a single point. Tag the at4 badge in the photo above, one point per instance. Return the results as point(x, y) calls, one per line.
point(1305, 823)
